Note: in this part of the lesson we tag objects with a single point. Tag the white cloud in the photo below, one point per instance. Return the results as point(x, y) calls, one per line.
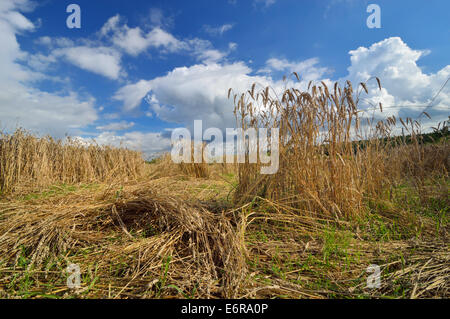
point(21, 103)
point(134, 41)
point(46, 40)
point(99, 60)
point(196, 92)
point(200, 91)
point(220, 30)
point(159, 38)
point(204, 51)
point(149, 143)
point(394, 62)
point(132, 94)
point(88, 55)
point(17, 20)
point(117, 126)
point(16, 5)
point(404, 82)
point(111, 25)
point(307, 69)
point(40, 62)
point(54, 42)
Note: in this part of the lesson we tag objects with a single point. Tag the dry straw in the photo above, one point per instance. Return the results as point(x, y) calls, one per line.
point(29, 161)
point(330, 157)
point(148, 227)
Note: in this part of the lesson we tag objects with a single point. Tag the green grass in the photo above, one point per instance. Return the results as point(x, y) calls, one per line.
point(59, 191)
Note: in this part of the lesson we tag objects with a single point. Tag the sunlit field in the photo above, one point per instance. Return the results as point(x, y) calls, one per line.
point(351, 191)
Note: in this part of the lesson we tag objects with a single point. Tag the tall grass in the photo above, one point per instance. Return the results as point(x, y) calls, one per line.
point(165, 166)
point(323, 169)
point(199, 170)
point(30, 161)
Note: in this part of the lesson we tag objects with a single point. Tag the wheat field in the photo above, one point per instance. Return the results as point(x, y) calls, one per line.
point(349, 193)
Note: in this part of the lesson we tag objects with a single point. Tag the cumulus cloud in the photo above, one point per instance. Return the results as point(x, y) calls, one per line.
point(135, 41)
point(407, 90)
point(307, 69)
point(200, 91)
point(88, 55)
point(197, 92)
point(132, 94)
point(204, 51)
point(95, 56)
point(159, 38)
point(17, 20)
point(21, 102)
point(99, 60)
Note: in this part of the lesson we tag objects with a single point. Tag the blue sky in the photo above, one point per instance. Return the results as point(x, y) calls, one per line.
point(136, 69)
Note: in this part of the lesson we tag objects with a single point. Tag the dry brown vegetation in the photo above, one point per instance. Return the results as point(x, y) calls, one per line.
point(323, 172)
point(27, 161)
point(163, 230)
